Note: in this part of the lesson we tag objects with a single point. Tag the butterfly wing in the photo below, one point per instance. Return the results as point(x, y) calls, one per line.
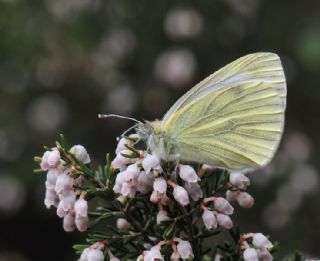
point(253, 67)
point(234, 118)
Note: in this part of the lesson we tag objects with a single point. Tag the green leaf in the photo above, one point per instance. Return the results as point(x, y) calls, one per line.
point(169, 231)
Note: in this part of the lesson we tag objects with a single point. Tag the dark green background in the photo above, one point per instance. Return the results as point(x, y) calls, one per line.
point(64, 61)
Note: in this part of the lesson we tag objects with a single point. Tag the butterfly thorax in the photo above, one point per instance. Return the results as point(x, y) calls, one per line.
point(157, 140)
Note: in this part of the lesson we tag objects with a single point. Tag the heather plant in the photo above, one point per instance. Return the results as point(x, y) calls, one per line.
point(145, 208)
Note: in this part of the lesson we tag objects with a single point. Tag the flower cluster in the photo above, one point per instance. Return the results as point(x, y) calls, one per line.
point(158, 210)
point(256, 247)
point(180, 249)
point(60, 191)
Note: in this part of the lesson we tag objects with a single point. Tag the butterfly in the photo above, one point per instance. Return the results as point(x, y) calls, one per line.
point(233, 119)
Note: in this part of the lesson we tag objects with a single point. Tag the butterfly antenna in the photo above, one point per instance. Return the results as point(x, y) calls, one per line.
point(103, 116)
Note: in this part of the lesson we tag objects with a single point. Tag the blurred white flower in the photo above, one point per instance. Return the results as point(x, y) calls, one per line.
point(160, 185)
point(183, 23)
point(82, 223)
point(264, 254)
point(245, 200)
point(120, 161)
point(176, 67)
point(81, 207)
point(122, 144)
point(95, 255)
point(54, 158)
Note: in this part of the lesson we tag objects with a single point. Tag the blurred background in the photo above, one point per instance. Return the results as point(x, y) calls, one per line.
point(64, 61)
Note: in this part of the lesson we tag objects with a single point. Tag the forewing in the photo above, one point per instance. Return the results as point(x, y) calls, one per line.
point(236, 127)
point(257, 67)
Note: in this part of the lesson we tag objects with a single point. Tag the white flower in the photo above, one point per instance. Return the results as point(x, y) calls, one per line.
point(131, 174)
point(66, 203)
point(84, 254)
point(51, 179)
point(250, 254)
point(120, 161)
point(119, 182)
point(151, 162)
point(184, 249)
point(264, 254)
point(81, 207)
point(121, 144)
point(44, 161)
point(162, 216)
point(239, 180)
point(160, 185)
point(112, 257)
point(51, 198)
point(231, 196)
point(123, 224)
point(181, 195)
point(187, 173)
point(82, 223)
point(145, 182)
point(54, 158)
point(81, 153)
point(260, 240)
point(128, 190)
point(194, 190)
point(95, 255)
point(245, 200)
point(223, 206)
point(209, 219)
point(224, 221)
point(153, 254)
point(69, 222)
point(64, 184)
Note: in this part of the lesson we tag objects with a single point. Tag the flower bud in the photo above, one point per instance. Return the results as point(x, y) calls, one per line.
point(81, 153)
point(239, 180)
point(184, 249)
point(145, 182)
point(231, 196)
point(51, 198)
point(187, 173)
point(123, 224)
point(224, 221)
point(54, 159)
point(250, 254)
point(162, 216)
point(223, 206)
point(44, 165)
point(160, 185)
point(245, 200)
point(66, 203)
point(194, 190)
point(69, 222)
point(260, 240)
point(51, 179)
point(209, 219)
point(64, 184)
point(95, 255)
point(181, 195)
point(150, 162)
point(82, 223)
point(81, 207)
